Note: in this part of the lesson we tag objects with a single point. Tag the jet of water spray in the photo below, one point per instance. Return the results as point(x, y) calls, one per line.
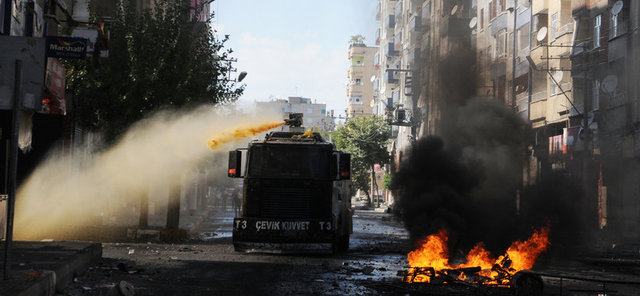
point(69, 191)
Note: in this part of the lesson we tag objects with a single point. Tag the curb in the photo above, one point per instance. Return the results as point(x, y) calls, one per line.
point(42, 277)
point(90, 256)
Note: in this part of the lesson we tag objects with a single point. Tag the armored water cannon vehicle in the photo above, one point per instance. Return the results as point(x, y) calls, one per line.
point(296, 193)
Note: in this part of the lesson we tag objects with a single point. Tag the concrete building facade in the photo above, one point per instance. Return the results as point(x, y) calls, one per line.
point(360, 86)
point(566, 67)
point(315, 115)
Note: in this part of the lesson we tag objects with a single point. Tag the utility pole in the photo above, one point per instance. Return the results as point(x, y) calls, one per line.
point(13, 167)
point(513, 58)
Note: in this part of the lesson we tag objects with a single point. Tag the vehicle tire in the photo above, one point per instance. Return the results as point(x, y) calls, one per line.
point(344, 243)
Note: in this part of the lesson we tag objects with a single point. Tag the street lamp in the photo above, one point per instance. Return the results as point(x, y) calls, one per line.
point(242, 75)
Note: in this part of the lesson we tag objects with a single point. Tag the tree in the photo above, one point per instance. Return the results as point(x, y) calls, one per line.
point(356, 39)
point(366, 139)
point(157, 59)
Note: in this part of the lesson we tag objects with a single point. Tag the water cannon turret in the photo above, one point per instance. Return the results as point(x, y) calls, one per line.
point(295, 120)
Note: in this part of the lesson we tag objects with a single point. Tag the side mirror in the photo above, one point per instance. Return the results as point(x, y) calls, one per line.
point(345, 166)
point(235, 164)
point(333, 166)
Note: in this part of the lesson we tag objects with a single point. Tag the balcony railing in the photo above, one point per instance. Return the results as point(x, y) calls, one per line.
point(397, 42)
point(616, 100)
point(398, 11)
point(389, 50)
point(539, 96)
point(566, 29)
point(414, 56)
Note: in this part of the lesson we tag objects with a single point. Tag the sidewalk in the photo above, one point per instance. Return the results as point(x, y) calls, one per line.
point(38, 268)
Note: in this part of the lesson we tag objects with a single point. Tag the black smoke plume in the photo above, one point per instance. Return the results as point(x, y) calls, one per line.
point(469, 178)
point(468, 184)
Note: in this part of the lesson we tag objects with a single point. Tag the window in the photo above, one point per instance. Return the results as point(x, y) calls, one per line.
point(501, 44)
point(481, 18)
point(597, 22)
point(500, 6)
point(614, 25)
point(492, 9)
point(523, 38)
point(358, 81)
point(553, 88)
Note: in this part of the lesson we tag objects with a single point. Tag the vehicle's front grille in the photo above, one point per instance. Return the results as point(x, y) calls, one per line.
point(290, 202)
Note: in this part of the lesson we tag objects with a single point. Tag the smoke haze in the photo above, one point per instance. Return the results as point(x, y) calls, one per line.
point(156, 154)
point(468, 179)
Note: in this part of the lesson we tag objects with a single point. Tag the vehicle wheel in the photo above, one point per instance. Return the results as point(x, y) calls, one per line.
point(344, 243)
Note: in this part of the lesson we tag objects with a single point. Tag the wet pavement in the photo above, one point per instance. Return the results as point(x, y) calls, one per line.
point(208, 265)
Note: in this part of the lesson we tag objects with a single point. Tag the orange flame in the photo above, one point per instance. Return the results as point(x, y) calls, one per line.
point(240, 133)
point(433, 253)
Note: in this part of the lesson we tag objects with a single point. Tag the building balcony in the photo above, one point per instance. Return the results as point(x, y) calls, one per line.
point(379, 10)
point(578, 6)
point(539, 96)
point(397, 42)
point(391, 21)
point(499, 67)
point(390, 51)
point(617, 100)
point(541, 6)
point(413, 58)
point(522, 105)
point(539, 55)
point(561, 32)
point(455, 27)
point(390, 78)
point(398, 11)
point(413, 40)
point(618, 26)
point(538, 112)
point(415, 23)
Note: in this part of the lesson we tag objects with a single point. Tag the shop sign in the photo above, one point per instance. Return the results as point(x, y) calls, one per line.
point(66, 47)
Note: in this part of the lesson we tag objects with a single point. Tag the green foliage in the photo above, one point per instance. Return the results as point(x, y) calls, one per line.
point(366, 139)
point(157, 59)
point(386, 181)
point(356, 39)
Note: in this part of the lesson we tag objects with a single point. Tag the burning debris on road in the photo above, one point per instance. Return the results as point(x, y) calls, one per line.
point(430, 262)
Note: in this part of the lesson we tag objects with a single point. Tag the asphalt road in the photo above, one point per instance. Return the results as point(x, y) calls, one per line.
point(208, 265)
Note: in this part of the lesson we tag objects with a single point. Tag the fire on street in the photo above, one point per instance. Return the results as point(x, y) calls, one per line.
point(374, 265)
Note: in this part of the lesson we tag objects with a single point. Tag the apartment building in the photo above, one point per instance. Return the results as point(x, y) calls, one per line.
point(606, 48)
point(360, 87)
point(566, 67)
point(315, 115)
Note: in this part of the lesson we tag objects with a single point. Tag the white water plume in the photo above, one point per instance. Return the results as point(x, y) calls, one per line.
point(156, 154)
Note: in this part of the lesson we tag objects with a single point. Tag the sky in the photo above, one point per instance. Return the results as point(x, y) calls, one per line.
point(294, 47)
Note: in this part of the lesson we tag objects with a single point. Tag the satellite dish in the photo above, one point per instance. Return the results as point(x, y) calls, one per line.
point(454, 9)
point(373, 78)
point(617, 7)
point(609, 83)
point(557, 75)
point(542, 33)
point(473, 22)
